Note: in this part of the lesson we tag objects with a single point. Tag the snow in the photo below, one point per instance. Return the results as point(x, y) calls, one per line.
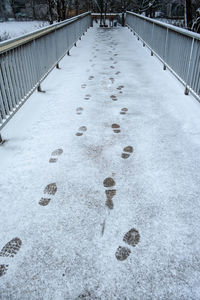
point(64, 254)
point(14, 29)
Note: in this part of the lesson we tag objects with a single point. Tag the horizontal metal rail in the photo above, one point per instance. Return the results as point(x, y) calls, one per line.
point(177, 48)
point(27, 60)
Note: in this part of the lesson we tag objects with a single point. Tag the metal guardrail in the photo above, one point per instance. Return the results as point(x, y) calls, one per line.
point(178, 49)
point(26, 61)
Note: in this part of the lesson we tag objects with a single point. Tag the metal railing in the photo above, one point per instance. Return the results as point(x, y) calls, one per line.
point(27, 60)
point(178, 49)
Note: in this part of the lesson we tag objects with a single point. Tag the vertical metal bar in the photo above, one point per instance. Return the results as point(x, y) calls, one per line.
point(33, 63)
point(165, 50)
point(20, 77)
point(195, 80)
point(4, 94)
point(186, 83)
point(13, 64)
point(9, 79)
point(7, 89)
point(1, 112)
point(36, 61)
point(27, 68)
point(23, 72)
point(12, 82)
point(2, 107)
point(152, 39)
point(30, 66)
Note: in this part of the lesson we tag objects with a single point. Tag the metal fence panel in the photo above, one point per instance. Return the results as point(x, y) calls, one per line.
point(26, 61)
point(177, 48)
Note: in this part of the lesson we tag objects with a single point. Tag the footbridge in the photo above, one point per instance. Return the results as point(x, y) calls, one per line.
point(99, 162)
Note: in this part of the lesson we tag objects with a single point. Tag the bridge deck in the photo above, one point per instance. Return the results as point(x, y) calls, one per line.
point(132, 236)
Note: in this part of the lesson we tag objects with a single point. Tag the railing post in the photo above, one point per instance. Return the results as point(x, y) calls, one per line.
point(1, 140)
point(187, 78)
point(57, 66)
point(39, 89)
point(68, 53)
point(165, 50)
point(152, 39)
point(143, 33)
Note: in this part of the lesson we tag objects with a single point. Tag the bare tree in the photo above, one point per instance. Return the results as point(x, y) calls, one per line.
point(69, 6)
point(32, 4)
point(59, 11)
point(76, 4)
point(64, 8)
point(12, 4)
point(51, 6)
point(188, 14)
point(101, 5)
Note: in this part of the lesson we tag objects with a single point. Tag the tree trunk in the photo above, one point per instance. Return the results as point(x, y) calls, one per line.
point(59, 13)
point(32, 4)
point(77, 7)
point(12, 4)
point(188, 8)
point(105, 11)
point(101, 12)
point(68, 8)
point(123, 3)
point(63, 10)
point(150, 12)
point(51, 6)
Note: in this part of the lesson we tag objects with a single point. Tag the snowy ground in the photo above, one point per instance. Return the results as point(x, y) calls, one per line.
point(69, 248)
point(13, 29)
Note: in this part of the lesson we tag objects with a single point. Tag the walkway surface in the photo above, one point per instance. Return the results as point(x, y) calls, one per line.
point(100, 181)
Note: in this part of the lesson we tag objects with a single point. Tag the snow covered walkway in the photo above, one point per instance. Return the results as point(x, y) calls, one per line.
point(100, 181)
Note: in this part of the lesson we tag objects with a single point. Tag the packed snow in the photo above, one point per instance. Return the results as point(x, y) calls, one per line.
point(12, 29)
point(110, 96)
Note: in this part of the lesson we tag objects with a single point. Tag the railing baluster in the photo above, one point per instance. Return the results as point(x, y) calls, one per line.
point(191, 51)
point(165, 50)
